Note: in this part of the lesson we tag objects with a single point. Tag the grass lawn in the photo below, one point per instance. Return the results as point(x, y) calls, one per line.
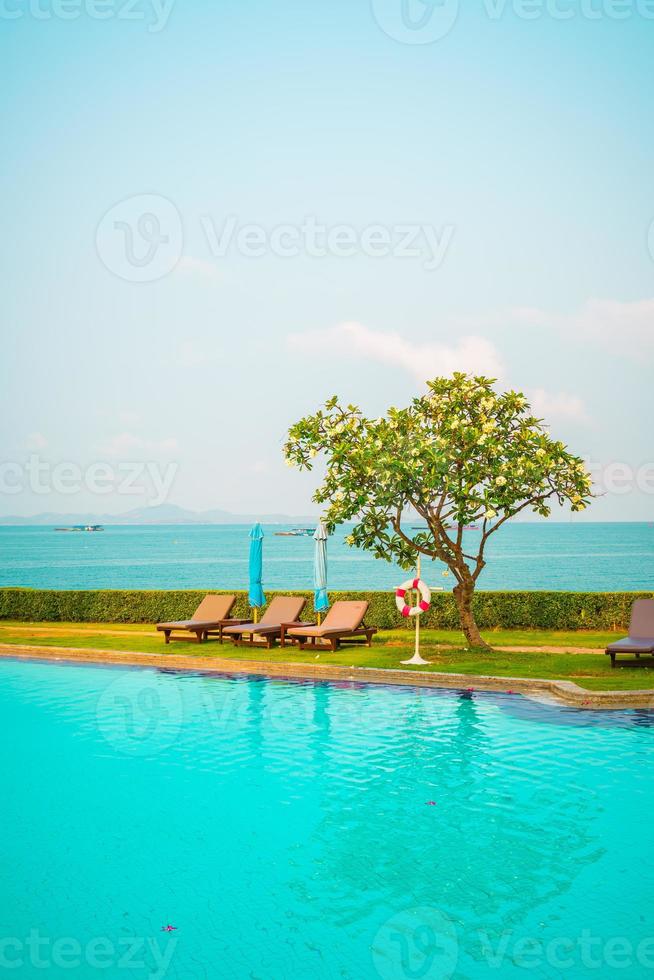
point(442, 648)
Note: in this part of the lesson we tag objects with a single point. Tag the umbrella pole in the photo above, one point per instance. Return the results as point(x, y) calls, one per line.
point(256, 615)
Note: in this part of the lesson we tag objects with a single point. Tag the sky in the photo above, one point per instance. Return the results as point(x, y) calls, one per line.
point(218, 214)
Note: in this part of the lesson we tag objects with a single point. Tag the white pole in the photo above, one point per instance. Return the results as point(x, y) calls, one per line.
point(416, 658)
point(418, 598)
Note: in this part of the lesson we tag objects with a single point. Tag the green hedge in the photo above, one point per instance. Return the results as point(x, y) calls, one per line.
point(494, 610)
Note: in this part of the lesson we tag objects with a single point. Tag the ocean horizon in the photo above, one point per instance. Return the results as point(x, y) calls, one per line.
point(563, 556)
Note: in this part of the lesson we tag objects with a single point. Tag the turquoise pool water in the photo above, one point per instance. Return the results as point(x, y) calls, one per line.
point(285, 830)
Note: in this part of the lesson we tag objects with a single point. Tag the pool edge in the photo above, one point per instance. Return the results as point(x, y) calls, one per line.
point(565, 692)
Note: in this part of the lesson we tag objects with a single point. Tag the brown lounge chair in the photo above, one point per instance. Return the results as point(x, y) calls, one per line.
point(209, 619)
point(641, 632)
point(282, 612)
point(343, 622)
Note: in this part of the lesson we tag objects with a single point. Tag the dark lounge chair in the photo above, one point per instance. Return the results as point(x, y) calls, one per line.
point(641, 632)
point(343, 623)
point(283, 611)
point(209, 619)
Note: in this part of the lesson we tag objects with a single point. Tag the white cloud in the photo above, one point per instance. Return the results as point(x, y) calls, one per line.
point(36, 440)
point(472, 354)
point(559, 405)
point(422, 360)
point(125, 444)
point(616, 323)
point(625, 327)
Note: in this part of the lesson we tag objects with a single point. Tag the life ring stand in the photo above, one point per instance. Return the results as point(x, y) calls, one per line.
point(400, 598)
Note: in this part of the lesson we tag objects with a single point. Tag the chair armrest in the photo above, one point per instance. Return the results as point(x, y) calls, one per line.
point(289, 626)
point(234, 622)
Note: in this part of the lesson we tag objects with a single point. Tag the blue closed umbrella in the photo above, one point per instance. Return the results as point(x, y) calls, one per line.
point(320, 597)
point(255, 595)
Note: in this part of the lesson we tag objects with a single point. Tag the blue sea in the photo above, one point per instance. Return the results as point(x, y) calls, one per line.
point(572, 556)
point(288, 831)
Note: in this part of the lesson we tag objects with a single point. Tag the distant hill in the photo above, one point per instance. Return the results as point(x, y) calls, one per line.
point(163, 514)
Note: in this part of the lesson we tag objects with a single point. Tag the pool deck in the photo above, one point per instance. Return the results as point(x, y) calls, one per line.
point(564, 692)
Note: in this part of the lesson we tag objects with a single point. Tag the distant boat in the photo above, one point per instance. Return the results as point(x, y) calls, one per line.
point(82, 527)
point(296, 532)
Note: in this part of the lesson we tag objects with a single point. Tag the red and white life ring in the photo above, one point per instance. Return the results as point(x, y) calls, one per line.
point(400, 597)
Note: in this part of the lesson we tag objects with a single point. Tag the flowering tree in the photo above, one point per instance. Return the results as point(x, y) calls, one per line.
point(458, 455)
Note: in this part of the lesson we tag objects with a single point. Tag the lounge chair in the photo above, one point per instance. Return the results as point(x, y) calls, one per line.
point(209, 619)
point(343, 622)
point(641, 632)
point(282, 612)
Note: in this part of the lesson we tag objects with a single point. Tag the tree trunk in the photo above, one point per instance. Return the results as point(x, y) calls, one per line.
point(463, 594)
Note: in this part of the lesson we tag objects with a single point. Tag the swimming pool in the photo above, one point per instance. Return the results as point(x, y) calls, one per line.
point(301, 830)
